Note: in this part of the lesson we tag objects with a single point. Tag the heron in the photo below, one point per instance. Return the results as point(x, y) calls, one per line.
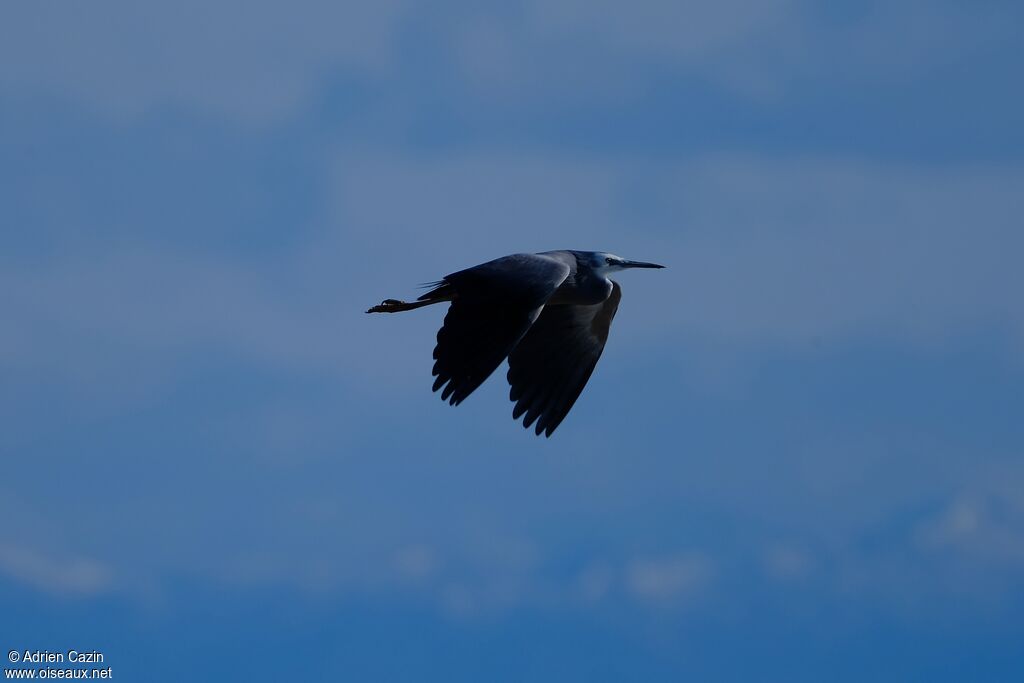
point(548, 313)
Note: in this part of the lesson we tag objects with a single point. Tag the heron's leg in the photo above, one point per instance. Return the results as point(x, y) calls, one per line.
point(396, 306)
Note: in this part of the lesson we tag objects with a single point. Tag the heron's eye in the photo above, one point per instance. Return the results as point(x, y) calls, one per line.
point(609, 260)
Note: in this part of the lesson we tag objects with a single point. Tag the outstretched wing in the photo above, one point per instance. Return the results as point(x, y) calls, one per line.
point(493, 306)
point(550, 366)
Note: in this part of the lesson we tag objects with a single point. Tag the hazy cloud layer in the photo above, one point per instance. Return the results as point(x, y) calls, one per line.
point(803, 436)
point(761, 253)
point(252, 62)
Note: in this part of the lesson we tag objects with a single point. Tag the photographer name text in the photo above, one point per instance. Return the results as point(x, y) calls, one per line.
point(47, 657)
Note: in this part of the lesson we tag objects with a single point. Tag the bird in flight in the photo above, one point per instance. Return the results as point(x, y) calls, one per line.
point(548, 313)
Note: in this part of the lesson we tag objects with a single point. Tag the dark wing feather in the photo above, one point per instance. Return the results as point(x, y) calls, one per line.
point(550, 366)
point(493, 306)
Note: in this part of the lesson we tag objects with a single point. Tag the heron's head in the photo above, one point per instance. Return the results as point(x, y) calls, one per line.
point(605, 264)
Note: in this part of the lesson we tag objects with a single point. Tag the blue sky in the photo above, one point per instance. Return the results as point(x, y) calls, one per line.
point(800, 458)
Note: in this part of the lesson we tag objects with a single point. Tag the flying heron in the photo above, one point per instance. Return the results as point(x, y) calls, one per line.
point(548, 313)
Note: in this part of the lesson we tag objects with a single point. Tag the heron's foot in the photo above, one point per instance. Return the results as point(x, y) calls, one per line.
point(389, 306)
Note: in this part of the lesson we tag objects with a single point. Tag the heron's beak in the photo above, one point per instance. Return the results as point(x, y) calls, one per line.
point(638, 264)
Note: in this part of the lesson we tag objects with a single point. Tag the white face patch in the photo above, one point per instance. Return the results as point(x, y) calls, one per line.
point(603, 268)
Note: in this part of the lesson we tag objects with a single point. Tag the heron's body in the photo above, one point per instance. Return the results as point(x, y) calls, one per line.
point(582, 286)
point(548, 313)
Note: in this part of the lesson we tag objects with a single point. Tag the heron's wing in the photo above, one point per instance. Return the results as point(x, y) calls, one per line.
point(493, 306)
point(554, 361)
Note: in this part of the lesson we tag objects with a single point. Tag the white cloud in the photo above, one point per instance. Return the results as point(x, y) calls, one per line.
point(417, 562)
point(595, 50)
point(459, 601)
point(665, 581)
point(603, 49)
point(799, 252)
point(66, 576)
point(454, 207)
point(685, 30)
point(984, 528)
point(149, 301)
point(787, 562)
point(251, 61)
